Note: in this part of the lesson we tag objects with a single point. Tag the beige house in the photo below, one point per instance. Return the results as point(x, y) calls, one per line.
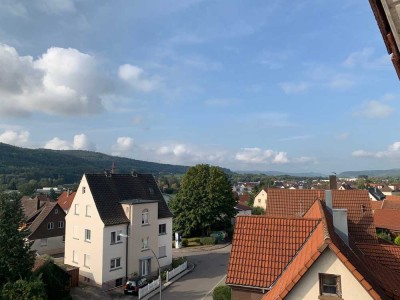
point(116, 226)
point(261, 199)
point(330, 251)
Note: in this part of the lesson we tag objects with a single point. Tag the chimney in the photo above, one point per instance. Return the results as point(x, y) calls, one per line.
point(37, 203)
point(68, 192)
point(332, 182)
point(328, 200)
point(340, 224)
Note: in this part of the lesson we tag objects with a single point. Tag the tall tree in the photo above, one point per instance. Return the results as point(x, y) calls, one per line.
point(204, 202)
point(16, 257)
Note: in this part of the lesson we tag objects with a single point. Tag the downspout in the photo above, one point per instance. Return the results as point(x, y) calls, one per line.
point(126, 255)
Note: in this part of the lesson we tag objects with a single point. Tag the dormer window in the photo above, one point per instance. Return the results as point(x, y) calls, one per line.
point(145, 216)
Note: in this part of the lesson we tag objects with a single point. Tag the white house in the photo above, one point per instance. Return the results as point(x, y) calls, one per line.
point(260, 200)
point(116, 226)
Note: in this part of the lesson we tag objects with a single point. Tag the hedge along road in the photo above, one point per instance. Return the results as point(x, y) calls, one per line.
point(210, 271)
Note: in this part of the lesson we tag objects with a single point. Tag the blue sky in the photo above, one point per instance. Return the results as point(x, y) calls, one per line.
point(248, 85)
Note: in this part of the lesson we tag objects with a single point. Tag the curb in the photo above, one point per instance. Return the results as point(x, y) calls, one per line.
point(201, 248)
point(190, 268)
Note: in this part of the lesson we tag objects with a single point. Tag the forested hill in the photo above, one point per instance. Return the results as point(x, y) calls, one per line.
point(23, 163)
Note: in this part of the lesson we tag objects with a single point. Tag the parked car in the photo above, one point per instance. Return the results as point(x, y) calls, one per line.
point(133, 285)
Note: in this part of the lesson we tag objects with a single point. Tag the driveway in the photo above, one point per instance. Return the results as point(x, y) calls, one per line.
point(210, 271)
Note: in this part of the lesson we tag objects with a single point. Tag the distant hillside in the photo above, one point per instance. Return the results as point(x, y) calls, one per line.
point(372, 173)
point(279, 173)
point(71, 164)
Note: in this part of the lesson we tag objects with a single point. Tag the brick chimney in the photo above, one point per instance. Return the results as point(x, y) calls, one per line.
point(332, 182)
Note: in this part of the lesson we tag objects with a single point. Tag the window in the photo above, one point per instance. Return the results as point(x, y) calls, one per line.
point(86, 260)
point(88, 234)
point(116, 237)
point(145, 216)
point(162, 229)
point(330, 285)
point(83, 189)
point(115, 263)
point(56, 211)
point(118, 282)
point(50, 225)
point(76, 232)
point(76, 209)
point(259, 200)
point(162, 251)
point(145, 267)
point(145, 243)
point(43, 242)
point(88, 213)
point(75, 256)
point(60, 224)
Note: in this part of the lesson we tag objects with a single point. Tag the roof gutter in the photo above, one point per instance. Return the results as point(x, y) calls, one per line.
point(263, 289)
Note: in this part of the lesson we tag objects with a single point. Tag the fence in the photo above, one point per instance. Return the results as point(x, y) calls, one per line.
point(176, 271)
point(149, 288)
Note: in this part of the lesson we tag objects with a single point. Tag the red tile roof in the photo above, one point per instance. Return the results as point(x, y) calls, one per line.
point(242, 207)
point(263, 246)
point(391, 202)
point(387, 219)
point(244, 198)
point(387, 255)
point(65, 200)
point(376, 204)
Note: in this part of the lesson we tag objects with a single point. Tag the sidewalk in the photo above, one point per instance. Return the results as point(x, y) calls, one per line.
point(201, 248)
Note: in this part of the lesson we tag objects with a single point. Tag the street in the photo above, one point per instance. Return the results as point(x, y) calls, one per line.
point(210, 271)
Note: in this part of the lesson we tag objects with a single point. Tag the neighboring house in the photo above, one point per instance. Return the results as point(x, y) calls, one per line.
point(330, 251)
point(108, 207)
point(65, 200)
point(391, 202)
point(243, 210)
point(375, 194)
point(388, 219)
point(46, 222)
point(345, 186)
point(244, 198)
point(260, 200)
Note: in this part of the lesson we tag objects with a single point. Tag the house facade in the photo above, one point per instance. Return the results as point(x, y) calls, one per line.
point(116, 226)
point(260, 200)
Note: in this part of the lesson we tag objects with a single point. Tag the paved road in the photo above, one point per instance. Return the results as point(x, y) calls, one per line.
point(210, 271)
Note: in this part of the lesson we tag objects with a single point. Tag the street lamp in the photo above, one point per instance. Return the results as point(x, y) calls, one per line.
point(155, 256)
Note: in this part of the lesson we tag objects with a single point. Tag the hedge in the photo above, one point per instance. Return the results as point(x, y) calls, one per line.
point(222, 292)
point(208, 240)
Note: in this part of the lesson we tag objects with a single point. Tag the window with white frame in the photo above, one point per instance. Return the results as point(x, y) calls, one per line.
point(145, 243)
point(60, 224)
point(115, 263)
point(43, 242)
point(162, 251)
point(145, 267)
point(88, 212)
point(162, 229)
point(116, 237)
point(88, 235)
point(75, 256)
point(76, 209)
point(75, 234)
point(86, 260)
point(50, 225)
point(330, 285)
point(145, 216)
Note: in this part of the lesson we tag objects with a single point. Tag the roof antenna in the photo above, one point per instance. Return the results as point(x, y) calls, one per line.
point(113, 168)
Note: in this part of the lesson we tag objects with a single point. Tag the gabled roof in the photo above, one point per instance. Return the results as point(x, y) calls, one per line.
point(387, 219)
point(387, 255)
point(262, 247)
point(391, 202)
point(240, 206)
point(376, 204)
point(47, 208)
point(31, 207)
point(65, 200)
point(109, 190)
point(376, 193)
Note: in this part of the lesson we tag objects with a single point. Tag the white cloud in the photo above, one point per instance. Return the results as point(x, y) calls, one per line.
point(80, 142)
point(296, 137)
point(393, 151)
point(374, 109)
point(56, 6)
point(294, 88)
point(365, 58)
point(341, 81)
point(62, 81)
point(16, 138)
point(257, 155)
point(343, 135)
point(123, 146)
point(134, 76)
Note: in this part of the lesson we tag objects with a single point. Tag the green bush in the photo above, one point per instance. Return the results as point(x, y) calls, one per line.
point(222, 292)
point(176, 262)
point(209, 240)
point(194, 240)
point(397, 240)
point(185, 242)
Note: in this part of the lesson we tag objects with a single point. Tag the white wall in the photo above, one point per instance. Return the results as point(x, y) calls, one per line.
point(166, 240)
point(261, 199)
point(328, 263)
point(54, 245)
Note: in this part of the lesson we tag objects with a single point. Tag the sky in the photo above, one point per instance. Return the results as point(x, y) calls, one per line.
point(298, 86)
